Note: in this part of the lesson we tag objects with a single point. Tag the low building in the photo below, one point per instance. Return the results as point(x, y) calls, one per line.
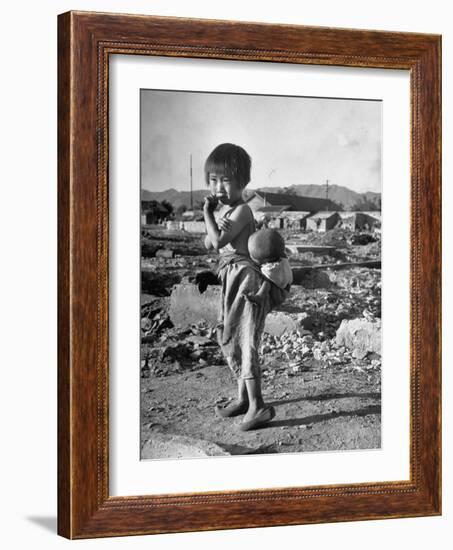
point(269, 216)
point(323, 221)
point(286, 211)
point(280, 218)
point(360, 221)
point(295, 219)
point(375, 214)
point(153, 213)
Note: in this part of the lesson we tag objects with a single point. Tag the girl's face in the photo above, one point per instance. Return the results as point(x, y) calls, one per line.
point(227, 190)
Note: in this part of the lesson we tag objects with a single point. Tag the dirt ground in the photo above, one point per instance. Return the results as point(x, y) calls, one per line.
point(319, 409)
point(327, 397)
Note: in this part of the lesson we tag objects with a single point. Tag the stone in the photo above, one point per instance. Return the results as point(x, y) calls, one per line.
point(359, 353)
point(188, 306)
point(164, 253)
point(360, 335)
point(277, 323)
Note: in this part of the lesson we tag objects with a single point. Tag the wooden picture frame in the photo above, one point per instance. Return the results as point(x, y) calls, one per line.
point(85, 42)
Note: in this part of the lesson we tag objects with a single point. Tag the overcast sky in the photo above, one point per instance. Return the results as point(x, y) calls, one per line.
point(292, 140)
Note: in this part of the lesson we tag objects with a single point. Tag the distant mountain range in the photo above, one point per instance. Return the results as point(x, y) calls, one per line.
point(337, 193)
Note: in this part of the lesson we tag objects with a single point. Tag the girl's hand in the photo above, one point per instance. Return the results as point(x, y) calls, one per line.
point(224, 224)
point(210, 203)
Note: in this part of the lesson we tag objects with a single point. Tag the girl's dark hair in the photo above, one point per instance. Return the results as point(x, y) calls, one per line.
point(230, 160)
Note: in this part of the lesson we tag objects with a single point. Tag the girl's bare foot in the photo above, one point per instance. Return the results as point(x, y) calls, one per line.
point(233, 409)
point(257, 418)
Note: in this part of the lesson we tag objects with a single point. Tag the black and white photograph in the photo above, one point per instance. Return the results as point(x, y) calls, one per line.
point(260, 274)
point(227, 275)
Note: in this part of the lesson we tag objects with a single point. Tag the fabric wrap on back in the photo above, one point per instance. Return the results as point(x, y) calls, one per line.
point(241, 323)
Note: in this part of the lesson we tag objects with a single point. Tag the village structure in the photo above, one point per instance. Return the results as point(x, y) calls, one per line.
point(277, 211)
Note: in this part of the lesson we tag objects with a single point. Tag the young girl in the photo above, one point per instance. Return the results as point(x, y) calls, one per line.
point(241, 323)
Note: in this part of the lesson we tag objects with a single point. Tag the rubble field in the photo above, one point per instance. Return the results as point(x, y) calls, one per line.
point(321, 362)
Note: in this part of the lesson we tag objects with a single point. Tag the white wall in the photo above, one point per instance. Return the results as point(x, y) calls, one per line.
point(28, 286)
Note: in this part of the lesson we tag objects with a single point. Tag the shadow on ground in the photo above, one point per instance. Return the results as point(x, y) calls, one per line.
point(316, 418)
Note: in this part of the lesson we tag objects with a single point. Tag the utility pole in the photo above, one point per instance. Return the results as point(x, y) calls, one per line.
point(327, 193)
point(191, 190)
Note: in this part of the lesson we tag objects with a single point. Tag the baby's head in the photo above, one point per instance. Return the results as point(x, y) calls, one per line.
point(266, 245)
point(227, 172)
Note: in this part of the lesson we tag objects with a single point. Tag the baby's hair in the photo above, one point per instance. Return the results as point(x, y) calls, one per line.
point(231, 161)
point(266, 245)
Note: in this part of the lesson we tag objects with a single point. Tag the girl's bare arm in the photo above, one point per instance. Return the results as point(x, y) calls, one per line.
point(219, 238)
point(207, 243)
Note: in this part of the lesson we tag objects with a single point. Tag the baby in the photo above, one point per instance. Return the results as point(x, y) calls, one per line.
point(267, 249)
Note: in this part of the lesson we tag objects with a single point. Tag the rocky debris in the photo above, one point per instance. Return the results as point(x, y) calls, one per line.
point(288, 346)
point(164, 253)
point(180, 242)
point(198, 340)
point(181, 245)
point(145, 371)
point(176, 351)
point(149, 248)
point(362, 336)
point(154, 320)
point(311, 278)
point(337, 237)
point(353, 293)
point(294, 353)
point(362, 238)
point(325, 255)
point(158, 282)
point(162, 445)
point(358, 279)
point(296, 248)
point(179, 330)
point(188, 307)
point(307, 321)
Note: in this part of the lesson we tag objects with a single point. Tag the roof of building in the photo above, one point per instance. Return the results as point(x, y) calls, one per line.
point(298, 213)
point(273, 209)
point(294, 202)
point(352, 214)
point(323, 215)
